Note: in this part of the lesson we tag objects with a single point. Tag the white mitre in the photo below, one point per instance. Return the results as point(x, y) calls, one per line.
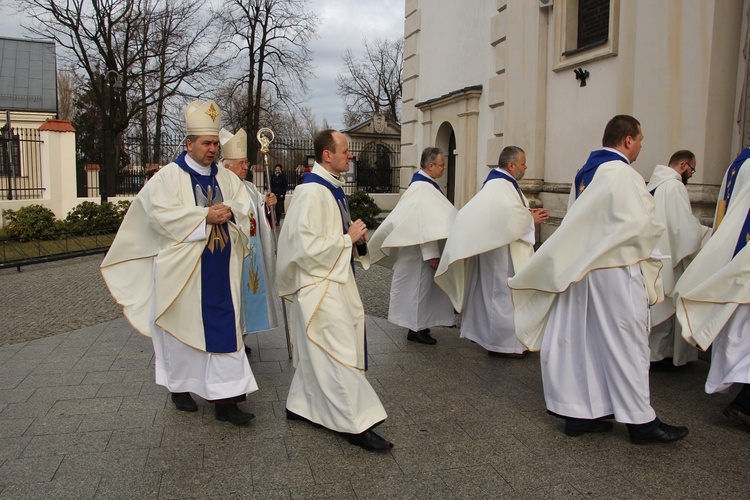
point(233, 146)
point(203, 118)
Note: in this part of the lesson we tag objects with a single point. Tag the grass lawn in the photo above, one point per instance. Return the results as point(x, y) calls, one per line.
point(12, 250)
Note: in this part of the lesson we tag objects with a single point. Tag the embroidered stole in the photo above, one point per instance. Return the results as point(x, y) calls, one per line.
point(217, 305)
point(586, 174)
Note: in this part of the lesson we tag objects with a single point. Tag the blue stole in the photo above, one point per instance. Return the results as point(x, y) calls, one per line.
point(338, 194)
point(495, 174)
point(417, 177)
point(744, 235)
point(341, 201)
point(732, 172)
point(254, 291)
point(217, 307)
point(586, 174)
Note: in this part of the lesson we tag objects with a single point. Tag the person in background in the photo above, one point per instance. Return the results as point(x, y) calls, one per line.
point(259, 268)
point(681, 240)
point(415, 229)
point(279, 187)
point(492, 237)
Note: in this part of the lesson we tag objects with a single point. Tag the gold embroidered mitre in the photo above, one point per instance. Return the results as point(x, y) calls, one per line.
point(203, 118)
point(233, 146)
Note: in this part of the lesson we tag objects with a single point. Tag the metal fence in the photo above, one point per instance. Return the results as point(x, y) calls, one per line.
point(20, 164)
point(134, 158)
point(18, 252)
point(374, 168)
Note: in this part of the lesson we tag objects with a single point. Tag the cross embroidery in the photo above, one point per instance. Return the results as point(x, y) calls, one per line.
point(212, 113)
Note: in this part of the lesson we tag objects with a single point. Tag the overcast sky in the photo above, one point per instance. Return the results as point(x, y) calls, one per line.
point(343, 23)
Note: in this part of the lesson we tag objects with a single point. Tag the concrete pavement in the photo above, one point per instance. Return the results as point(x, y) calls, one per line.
point(81, 417)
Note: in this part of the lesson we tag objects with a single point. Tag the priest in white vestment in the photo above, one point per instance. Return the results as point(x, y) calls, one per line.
point(583, 298)
point(713, 305)
point(175, 267)
point(736, 177)
point(492, 236)
point(318, 245)
point(680, 242)
point(259, 294)
point(413, 233)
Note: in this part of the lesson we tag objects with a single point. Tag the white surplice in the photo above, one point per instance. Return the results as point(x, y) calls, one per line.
point(315, 273)
point(681, 240)
point(153, 270)
point(583, 299)
point(713, 299)
point(492, 235)
point(415, 229)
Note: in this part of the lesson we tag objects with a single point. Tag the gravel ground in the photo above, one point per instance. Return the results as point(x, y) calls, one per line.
point(57, 297)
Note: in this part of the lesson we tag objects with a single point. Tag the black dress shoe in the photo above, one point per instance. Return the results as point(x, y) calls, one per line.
point(592, 426)
point(232, 413)
point(664, 433)
point(369, 441)
point(421, 337)
point(733, 412)
point(248, 350)
point(183, 401)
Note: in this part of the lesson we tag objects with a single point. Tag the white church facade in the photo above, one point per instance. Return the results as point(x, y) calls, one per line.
point(546, 75)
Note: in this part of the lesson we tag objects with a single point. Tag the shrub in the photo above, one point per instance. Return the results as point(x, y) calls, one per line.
point(90, 216)
point(122, 208)
point(362, 206)
point(31, 221)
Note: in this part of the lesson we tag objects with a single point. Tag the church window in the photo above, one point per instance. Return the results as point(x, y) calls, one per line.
point(585, 30)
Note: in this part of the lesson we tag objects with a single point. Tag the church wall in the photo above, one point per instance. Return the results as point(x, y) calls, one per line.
point(679, 66)
point(663, 76)
point(442, 60)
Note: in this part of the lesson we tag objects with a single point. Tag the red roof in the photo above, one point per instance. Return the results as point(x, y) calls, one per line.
point(55, 125)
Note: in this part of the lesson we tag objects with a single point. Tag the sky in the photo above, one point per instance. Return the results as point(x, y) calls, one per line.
point(342, 24)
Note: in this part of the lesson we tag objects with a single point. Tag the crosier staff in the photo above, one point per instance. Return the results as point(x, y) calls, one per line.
point(265, 136)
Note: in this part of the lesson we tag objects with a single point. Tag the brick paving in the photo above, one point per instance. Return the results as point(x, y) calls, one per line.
point(52, 298)
point(81, 417)
point(58, 297)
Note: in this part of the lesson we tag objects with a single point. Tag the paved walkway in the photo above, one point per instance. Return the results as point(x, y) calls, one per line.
point(80, 417)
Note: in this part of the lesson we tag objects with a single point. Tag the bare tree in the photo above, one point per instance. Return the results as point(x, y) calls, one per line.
point(371, 82)
point(270, 37)
point(177, 42)
point(297, 123)
point(112, 42)
point(66, 84)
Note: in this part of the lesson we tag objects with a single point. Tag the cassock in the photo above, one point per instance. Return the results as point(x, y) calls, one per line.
point(491, 237)
point(583, 298)
point(412, 233)
point(259, 268)
point(315, 272)
point(713, 298)
point(177, 278)
point(681, 240)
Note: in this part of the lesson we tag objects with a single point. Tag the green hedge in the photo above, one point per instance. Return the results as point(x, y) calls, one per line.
point(38, 221)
